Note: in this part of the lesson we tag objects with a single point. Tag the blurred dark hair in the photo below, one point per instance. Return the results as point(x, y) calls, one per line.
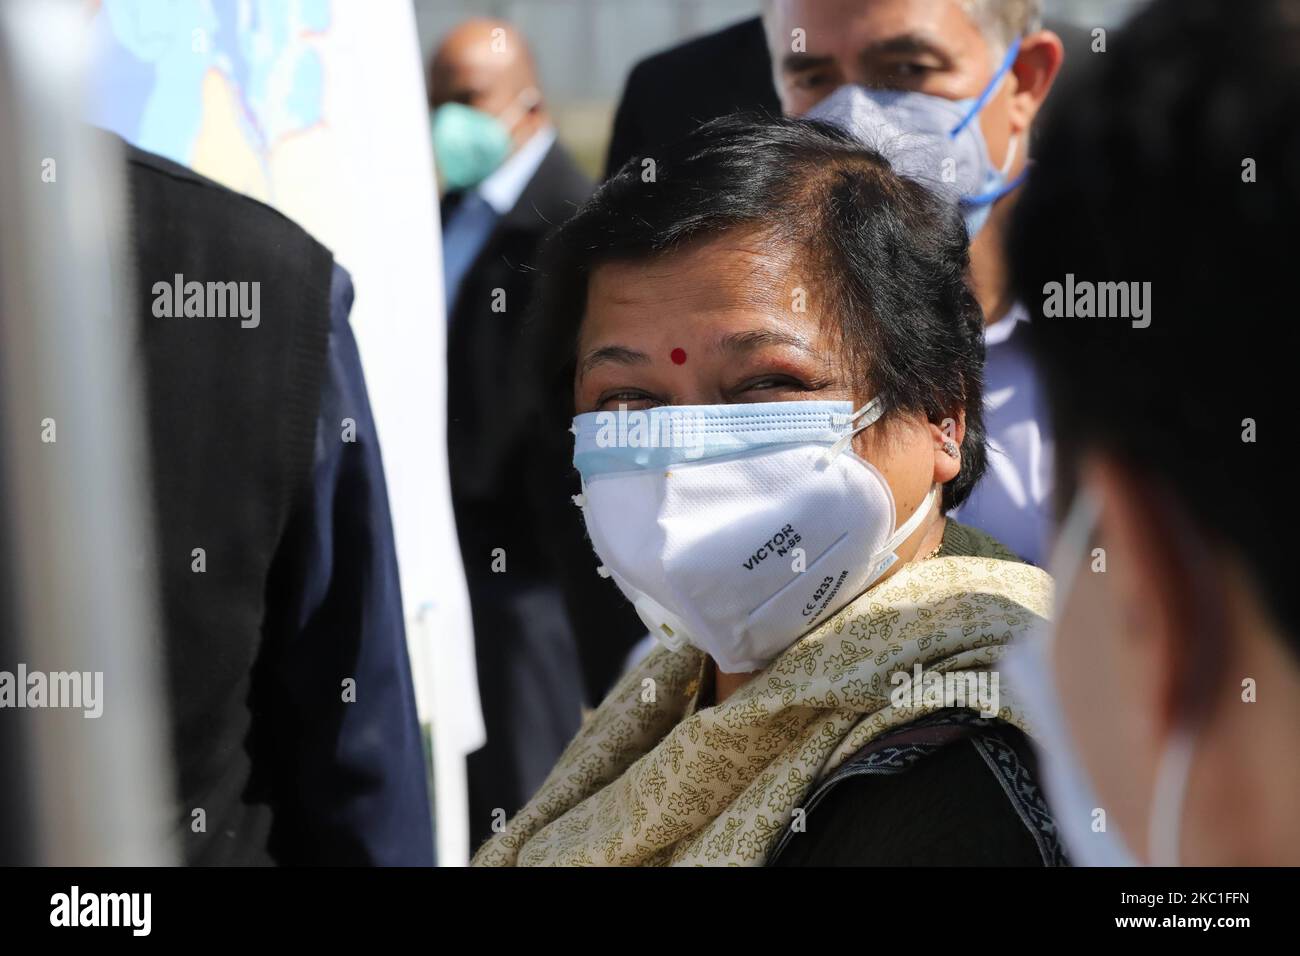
point(889, 258)
point(1140, 177)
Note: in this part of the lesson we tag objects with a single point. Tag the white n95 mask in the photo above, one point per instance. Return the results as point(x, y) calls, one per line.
point(737, 528)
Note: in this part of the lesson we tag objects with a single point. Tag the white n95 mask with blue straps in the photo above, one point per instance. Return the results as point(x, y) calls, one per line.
point(737, 528)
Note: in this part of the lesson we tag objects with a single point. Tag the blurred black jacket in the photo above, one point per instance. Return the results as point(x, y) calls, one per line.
point(670, 93)
point(295, 591)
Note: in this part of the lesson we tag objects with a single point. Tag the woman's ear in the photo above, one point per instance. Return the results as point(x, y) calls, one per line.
point(947, 436)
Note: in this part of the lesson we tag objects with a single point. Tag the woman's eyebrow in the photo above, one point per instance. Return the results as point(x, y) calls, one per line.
point(748, 341)
point(618, 354)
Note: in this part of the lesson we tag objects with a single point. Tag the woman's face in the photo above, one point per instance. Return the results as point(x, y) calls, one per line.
point(730, 320)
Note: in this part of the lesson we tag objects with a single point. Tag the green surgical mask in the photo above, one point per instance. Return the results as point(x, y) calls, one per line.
point(468, 144)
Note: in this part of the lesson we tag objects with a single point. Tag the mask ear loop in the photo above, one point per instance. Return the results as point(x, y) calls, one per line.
point(1070, 550)
point(1013, 147)
point(990, 88)
point(1173, 772)
point(864, 417)
point(906, 529)
point(984, 199)
point(528, 97)
point(1167, 796)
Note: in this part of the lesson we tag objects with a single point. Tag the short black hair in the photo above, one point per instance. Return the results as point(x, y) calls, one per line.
point(891, 259)
point(1175, 160)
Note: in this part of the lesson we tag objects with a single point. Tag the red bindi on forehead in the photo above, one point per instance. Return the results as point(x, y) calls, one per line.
point(678, 356)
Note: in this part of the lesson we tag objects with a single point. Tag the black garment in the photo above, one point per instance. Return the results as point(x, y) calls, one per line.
point(948, 789)
point(231, 427)
point(965, 796)
point(530, 678)
point(487, 435)
point(670, 93)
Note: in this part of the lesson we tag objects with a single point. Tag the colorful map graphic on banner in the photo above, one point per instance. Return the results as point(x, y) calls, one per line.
point(234, 91)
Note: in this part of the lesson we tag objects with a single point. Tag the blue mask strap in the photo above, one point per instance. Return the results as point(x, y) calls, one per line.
point(982, 100)
point(983, 199)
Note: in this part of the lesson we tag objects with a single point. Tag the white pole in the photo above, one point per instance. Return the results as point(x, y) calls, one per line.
point(70, 427)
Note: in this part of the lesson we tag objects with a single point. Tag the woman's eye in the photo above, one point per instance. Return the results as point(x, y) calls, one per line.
point(770, 382)
point(635, 401)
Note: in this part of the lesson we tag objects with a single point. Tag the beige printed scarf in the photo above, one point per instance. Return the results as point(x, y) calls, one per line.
point(652, 780)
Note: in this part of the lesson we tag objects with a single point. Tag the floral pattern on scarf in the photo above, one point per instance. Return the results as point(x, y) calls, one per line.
point(653, 779)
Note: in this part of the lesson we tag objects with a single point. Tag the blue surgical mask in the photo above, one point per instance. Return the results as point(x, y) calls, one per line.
point(931, 139)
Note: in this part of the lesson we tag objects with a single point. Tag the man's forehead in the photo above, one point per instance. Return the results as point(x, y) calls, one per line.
point(470, 74)
point(476, 61)
point(830, 25)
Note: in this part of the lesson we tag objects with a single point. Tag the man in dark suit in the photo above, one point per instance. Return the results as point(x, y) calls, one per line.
point(508, 184)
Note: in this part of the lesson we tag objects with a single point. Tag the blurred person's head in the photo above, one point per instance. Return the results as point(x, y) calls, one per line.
point(1177, 654)
point(990, 57)
point(485, 97)
point(781, 262)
